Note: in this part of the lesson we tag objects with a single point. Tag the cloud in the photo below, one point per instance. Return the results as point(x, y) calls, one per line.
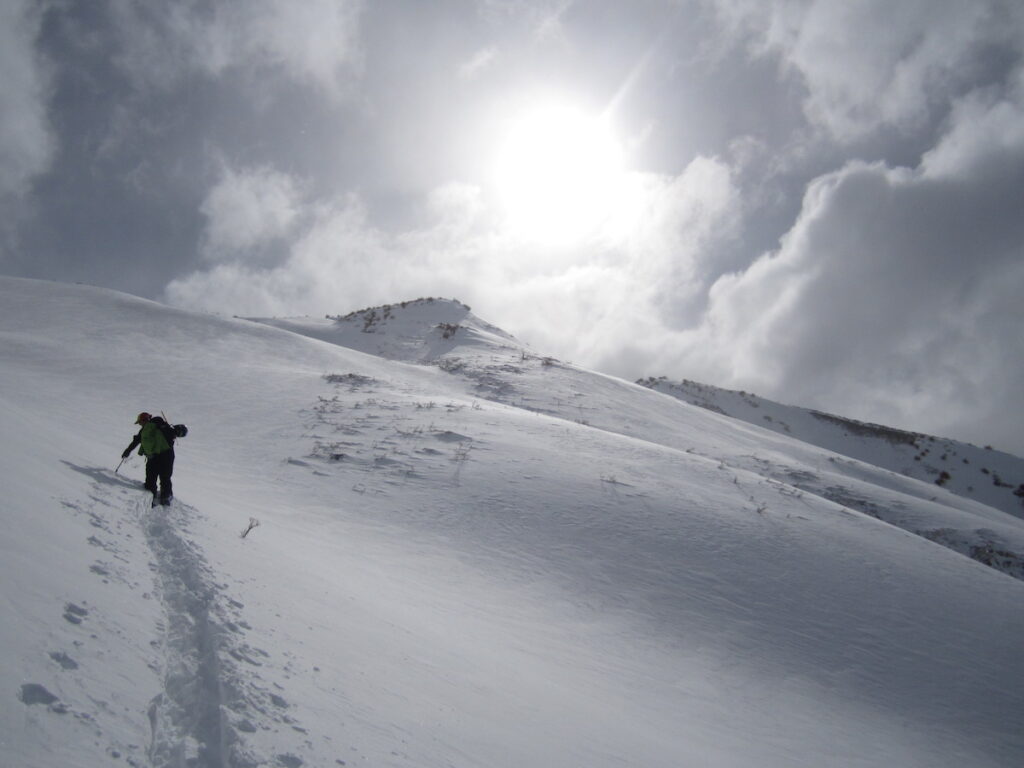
point(27, 143)
point(315, 42)
point(545, 19)
point(895, 296)
point(340, 261)
point(478, 62)
point(986, 127)
point(584, 302)
point(248, 209)
point(870, 65)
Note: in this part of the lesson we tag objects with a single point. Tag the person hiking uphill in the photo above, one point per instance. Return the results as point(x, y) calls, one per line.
point(159, 453)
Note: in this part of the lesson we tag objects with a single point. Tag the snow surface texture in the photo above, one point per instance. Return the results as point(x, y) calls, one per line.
point(468, 555)
point(991, 477)
point(964, 469)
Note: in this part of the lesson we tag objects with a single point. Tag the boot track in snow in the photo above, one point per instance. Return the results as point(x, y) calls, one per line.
point(187, 719)
point(212, 701)
point(206, 702)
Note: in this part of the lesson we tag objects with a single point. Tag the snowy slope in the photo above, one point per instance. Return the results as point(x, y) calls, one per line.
point(986, 475)
point(491, 559)
point(495, 367)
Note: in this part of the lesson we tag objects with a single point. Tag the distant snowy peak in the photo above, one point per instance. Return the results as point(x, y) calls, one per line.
point(982, 474)
point(419, 311)
point(421, 330)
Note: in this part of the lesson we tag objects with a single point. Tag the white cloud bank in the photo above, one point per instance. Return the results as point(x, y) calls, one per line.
point(874, 63)
point(565, 300)
point(247, 209)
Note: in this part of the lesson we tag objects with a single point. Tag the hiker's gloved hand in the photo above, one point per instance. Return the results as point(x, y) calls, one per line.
point(126, 453)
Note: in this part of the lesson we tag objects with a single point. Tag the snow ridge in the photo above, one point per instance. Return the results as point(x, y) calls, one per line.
point(419, 331)
point(991, 477)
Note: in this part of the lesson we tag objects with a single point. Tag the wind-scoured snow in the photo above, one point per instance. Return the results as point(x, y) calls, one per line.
point(992, 477)
point(468, 555)
point(414, 331)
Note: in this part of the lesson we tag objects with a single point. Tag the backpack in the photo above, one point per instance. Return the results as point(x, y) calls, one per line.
point(170, 432)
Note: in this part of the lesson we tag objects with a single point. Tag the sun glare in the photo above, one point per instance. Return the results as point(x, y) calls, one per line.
point(557, 175)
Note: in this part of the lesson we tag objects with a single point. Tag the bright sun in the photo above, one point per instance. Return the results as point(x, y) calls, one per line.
point(558, 174)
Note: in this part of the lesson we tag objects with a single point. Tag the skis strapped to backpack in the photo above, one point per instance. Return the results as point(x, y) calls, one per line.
point(170, 431)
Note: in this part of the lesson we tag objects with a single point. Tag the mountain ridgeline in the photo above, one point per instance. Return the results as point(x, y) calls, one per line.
point(983, 474)
point(439, 332)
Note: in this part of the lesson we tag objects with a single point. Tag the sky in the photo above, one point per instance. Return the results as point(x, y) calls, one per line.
point(817, 201)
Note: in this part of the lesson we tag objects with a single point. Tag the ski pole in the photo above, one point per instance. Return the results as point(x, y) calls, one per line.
point(119, 464)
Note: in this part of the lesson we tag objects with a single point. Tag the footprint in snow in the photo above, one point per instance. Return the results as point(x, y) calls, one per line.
point(34, 693)
point(65, 661)
point(451, 437)
point(74, 613)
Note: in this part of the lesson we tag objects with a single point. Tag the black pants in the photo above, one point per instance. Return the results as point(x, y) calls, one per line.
point(160, 466)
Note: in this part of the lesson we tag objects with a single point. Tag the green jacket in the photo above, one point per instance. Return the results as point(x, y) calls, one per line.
point(151, 439)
